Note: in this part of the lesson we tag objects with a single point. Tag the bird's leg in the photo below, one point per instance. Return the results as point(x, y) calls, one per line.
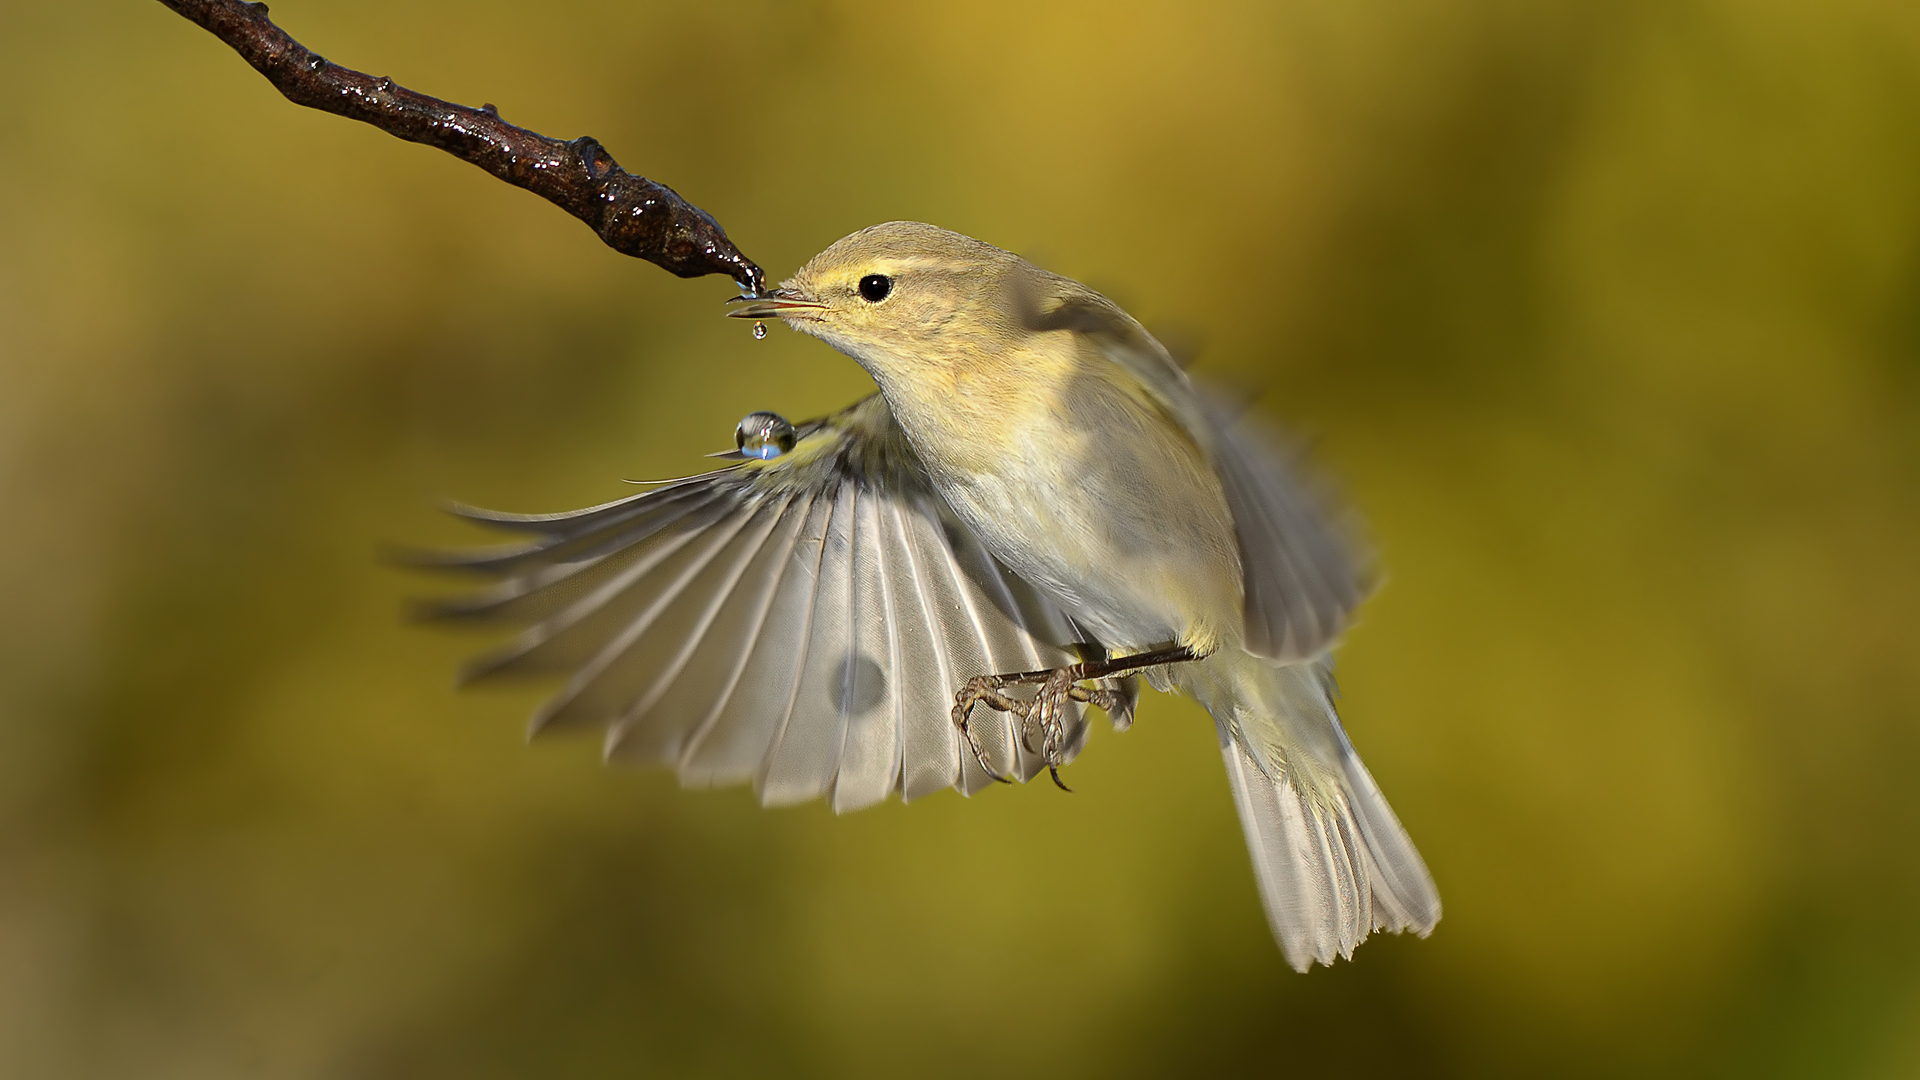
point(1044, 711)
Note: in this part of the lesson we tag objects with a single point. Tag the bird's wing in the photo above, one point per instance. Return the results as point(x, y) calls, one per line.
point(802, 623)
point(1302, 571)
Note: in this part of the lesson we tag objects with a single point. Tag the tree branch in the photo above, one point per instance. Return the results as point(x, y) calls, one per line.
point(634, 215)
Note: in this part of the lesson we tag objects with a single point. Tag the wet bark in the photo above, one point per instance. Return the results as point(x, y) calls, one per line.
point(632, 214)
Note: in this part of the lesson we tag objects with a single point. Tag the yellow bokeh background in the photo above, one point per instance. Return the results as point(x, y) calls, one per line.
point(1606, 316)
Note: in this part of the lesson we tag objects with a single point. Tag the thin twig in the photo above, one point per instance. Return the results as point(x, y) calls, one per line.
point(634, 215)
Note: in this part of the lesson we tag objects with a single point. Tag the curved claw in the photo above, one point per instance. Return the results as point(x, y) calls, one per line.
point(1113, 688)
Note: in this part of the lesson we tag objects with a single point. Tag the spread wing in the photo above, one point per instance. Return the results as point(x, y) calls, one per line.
point(1302, 573)
point(801, 623)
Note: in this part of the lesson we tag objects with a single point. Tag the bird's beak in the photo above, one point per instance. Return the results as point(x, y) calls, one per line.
point(775, 304)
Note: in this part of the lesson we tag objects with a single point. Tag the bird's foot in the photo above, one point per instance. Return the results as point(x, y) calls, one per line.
point(989, 690)
point(1046, 714)
point(1091, 681)
point(1043, 715)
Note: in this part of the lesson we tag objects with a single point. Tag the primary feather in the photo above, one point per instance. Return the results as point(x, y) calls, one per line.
point(800, 622)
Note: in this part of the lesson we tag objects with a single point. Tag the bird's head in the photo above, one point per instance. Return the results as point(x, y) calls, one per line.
point(905, 299)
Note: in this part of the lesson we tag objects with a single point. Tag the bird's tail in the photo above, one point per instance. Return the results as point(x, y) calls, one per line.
point(1332, 861)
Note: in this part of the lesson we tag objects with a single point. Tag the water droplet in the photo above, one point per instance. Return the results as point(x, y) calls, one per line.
point(759, 330)
point(764, 435)
point(385, 85)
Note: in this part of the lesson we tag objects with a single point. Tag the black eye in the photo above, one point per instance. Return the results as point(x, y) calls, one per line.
point(875, 287)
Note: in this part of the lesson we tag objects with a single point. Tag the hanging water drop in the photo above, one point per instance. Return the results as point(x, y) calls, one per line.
point(759, 330)
point(763, 435)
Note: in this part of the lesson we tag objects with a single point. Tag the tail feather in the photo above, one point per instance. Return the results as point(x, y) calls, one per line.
point(1403, 886)
point(1332, 862)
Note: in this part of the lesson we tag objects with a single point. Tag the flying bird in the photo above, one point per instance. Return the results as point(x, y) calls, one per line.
point(1036, 511)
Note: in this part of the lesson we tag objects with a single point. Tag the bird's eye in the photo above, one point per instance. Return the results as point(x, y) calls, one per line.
point(875, 287)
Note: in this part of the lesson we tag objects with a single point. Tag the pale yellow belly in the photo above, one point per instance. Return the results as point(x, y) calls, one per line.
point(1099, 502)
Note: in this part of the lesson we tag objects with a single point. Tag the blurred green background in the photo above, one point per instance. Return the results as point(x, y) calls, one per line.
point(1607, 316)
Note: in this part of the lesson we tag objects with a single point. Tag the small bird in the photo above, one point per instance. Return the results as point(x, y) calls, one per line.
point(1036, 510)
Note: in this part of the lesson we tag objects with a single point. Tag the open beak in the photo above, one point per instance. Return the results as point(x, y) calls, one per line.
point(776, 304)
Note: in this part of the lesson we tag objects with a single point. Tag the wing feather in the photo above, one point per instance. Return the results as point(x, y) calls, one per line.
point(806, 748)
point(747, 722)
point(633, 583)
point(707, 680)
point(1301, 578)
point(569, 523)
point(569, 540)
point(1301, 571)
point(802, 623)
point(676, 639)
point(629, 660)
point(929, 743)
point(963, 627)
point(865, 689)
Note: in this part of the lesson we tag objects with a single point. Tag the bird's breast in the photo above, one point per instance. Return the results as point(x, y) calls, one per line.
point(1092, 495)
